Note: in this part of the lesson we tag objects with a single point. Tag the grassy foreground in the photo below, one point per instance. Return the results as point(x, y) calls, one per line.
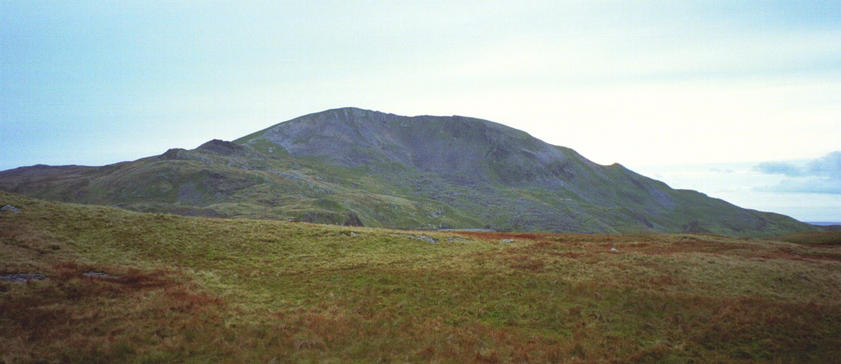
point(214, 290)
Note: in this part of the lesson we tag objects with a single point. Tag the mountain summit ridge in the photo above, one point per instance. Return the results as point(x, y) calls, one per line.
point(357, 166)
point(441, 144)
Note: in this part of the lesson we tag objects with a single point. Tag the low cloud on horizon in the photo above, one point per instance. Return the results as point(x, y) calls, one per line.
point(821, 175)
point(808, 190)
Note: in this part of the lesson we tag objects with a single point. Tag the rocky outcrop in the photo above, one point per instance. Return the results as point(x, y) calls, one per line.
point(221, 147)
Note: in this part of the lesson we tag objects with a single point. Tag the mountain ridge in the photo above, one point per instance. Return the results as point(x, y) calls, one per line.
point(356, 166)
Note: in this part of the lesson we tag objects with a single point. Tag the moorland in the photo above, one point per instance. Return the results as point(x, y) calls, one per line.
point(101, 284)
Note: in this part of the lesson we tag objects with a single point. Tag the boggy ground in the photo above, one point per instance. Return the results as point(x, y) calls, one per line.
point(170, 288)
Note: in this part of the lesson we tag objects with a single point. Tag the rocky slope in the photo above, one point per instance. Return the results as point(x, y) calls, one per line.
point(361, 167)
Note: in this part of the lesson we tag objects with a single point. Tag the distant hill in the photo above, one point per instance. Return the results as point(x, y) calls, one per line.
point(359, 167)
point(824, 223)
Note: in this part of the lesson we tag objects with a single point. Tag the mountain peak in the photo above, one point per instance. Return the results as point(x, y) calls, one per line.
point(355, 166)
point(446, 145)
point(347, 113)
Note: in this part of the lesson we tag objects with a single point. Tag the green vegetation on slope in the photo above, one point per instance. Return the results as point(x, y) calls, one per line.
point(204, 289)
point(814, 237)
point(350, 167)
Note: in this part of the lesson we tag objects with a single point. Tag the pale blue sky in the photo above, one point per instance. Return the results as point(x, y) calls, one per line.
point(649, 84)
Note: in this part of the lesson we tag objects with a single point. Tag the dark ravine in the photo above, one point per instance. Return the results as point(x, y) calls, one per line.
point(359, 167)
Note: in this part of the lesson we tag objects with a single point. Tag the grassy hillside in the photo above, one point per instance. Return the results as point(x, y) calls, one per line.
point(195, 289)
point(358, 167)
point(831, 237)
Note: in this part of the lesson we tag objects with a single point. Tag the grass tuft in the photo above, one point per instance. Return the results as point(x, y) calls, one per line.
point(176, 289)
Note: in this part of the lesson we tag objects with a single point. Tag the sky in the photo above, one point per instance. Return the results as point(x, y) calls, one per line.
point(737, 99)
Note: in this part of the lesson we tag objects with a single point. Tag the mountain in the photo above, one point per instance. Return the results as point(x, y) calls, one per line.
point(359, 167)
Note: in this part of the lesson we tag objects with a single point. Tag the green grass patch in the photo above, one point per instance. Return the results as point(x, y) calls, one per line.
point(190, 289)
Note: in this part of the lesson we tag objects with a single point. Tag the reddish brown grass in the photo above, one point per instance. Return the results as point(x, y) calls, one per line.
point(69, 314)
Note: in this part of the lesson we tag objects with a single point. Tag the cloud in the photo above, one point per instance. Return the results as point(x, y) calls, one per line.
point(826, 166)
point(722, 170)
point(783, 168)
point(821, 175)
point(829, 165)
